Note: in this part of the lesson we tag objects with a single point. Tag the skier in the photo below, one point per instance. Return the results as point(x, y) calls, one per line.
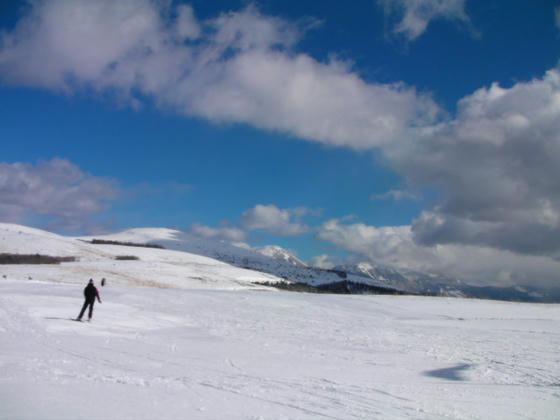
point(90, 293)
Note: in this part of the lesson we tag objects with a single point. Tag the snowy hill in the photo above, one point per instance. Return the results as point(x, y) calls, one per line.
point(243, 354)
point(152, 267)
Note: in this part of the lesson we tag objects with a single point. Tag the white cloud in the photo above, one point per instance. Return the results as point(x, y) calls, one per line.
point(56, 189)
point(242, 245)
point(395, 246)
point(268, 219)
point(328, 262)
point(224, 232)
point(416, 15)
point(273, 220)
point(240, 68)
point(321, 261)
point(497, 163)
point(250, 30)
point(303, 97)
point(390, 245)
point(62, 42)
point(187, 26)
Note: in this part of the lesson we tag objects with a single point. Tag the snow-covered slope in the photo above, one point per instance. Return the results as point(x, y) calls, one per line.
point(242, 354)
point(154, 267)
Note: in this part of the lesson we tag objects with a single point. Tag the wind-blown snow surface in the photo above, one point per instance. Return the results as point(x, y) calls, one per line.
point(172, 353)
point(217, 348)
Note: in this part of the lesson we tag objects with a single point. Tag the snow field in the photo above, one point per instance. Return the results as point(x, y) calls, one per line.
point(211, 354)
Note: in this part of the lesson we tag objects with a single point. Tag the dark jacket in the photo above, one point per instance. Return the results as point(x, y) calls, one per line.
point(90, 293)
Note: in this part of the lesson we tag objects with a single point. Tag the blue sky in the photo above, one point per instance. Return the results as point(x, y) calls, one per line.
point(420, 134)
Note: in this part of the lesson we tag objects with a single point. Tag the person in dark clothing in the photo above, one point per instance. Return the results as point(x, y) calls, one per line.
point(90, 293)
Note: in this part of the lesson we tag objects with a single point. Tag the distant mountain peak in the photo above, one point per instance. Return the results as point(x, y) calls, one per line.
point(279, 253)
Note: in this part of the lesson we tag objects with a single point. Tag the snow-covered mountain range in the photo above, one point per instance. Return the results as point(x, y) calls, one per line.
point(438, 285)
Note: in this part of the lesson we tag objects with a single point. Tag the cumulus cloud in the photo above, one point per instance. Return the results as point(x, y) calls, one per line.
point(416, 15)
point(238, 67)
point(273, 220)
point(497, 163)
point(55, 189)
point(395, 246)
point(322, 261)
point(224, 232)
point(328, 262)
point(76, 41)
point(262, 218)
point(389, 245)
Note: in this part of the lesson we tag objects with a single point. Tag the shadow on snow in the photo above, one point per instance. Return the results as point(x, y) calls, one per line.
point(451, 373)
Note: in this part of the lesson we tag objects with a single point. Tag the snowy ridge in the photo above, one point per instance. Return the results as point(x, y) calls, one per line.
point(153, 267)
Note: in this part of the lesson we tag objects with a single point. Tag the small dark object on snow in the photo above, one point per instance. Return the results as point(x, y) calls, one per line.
point(90, 293)
point(103, 282)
